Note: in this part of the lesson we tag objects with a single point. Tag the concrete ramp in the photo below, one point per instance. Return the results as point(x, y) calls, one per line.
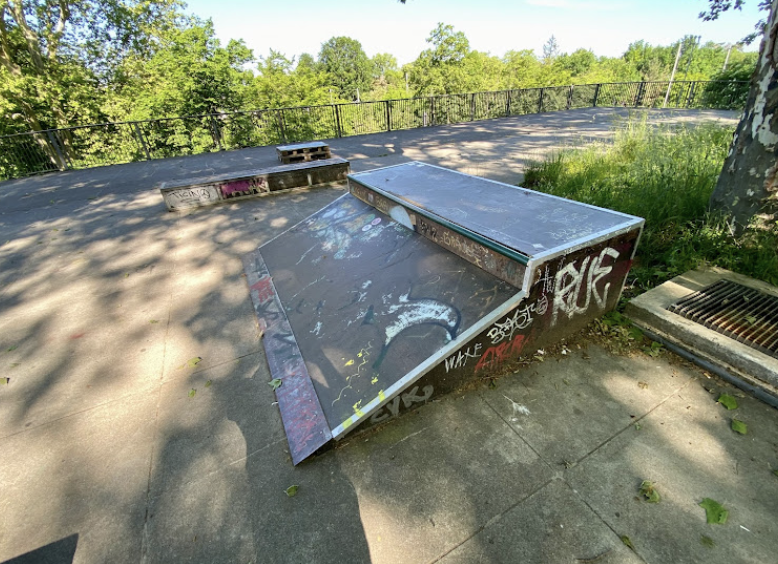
point(417, 281)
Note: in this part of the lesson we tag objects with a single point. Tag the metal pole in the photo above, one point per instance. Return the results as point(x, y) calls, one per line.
point(472, 107)
point(691, 56)
point(141, 141)
point(280, 120)
point(216, 131)
point(337, 120)
point(540, 101)
point(596, 95)
point(54, 142)
point(639, 98)
point(726, 60)
point(388, 117)
point(690, 97)
point(508, 104)
point(672, 75)
point(569, 97)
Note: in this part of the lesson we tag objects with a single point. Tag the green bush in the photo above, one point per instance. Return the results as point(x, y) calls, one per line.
point(729, 88)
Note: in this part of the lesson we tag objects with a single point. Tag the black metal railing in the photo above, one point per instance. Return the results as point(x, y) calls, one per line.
point(86, 146)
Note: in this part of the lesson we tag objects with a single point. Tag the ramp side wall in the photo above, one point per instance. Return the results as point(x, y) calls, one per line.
point(567, 292)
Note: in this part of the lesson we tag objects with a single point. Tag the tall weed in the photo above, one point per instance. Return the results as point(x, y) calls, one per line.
point(665, 175)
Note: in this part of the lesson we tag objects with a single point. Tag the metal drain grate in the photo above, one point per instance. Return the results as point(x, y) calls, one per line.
point(742, 313)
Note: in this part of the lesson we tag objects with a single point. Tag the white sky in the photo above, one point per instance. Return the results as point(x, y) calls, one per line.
point(606, 27)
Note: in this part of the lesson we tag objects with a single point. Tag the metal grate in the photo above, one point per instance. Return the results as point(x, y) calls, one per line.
point(739, 312)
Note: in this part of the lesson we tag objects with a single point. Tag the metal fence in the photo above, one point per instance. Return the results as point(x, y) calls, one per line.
point(86, 146)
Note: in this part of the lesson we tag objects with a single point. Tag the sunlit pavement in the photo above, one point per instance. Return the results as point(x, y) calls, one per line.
point(119, 445)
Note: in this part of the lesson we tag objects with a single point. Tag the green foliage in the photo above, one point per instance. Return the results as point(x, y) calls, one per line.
point(189, 74)
point(726, 93)
point(665, 175)
point(278, 86)
point(441, 68)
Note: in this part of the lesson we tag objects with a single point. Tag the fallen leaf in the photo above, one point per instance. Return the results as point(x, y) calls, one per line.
point(775, 473)
point(648, 490)
point(627, 542)
point(192, 392)
point(727, 401)
point(291, 491)
point(714, 511)
point(208, 384)
point(126, 274)
point(707, 541)
point(9, 349)
point(4, 381)
point(637, 426)
point(192, 362)
point(739, 427)
point(153, 321)
point(643, 385)
point(275, 383)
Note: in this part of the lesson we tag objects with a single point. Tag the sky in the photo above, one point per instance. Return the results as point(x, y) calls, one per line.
point(607, 27)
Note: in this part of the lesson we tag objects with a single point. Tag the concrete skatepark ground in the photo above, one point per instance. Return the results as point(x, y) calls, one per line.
point(118, 447)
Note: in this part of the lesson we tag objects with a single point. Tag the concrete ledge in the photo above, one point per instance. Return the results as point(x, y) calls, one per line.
point(211, 190)
point(740, 362)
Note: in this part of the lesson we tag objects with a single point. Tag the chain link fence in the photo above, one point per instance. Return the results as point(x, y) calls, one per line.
point(86, 146)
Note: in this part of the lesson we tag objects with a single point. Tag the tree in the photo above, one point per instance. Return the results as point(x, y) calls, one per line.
point(49, 49)
point(347, 66)
point(278, 86)
point(550, 50)
point(189, 74)
point(747, 188)
point(440, 69)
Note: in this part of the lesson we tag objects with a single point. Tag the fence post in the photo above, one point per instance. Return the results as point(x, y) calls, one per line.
point(508, 104)
point(540, 101)
point(388, 116)
point(337, 120)
point(570, 97)
point(216, 130)
point(280, 120)
point(62, 163)
point(639, 97)
point(141, 141)
point(690, 97)
point(432, 110)
point(472, 107)
point(596, 95)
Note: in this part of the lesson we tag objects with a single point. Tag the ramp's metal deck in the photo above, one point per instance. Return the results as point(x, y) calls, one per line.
point(367, 301)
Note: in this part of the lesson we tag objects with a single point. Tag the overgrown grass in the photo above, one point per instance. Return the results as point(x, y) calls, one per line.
point(665, 175)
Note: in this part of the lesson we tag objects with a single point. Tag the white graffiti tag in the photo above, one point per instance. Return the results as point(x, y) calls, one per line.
point(392, 408)
point(460, 359)
point(570, 283)
point(521, 319)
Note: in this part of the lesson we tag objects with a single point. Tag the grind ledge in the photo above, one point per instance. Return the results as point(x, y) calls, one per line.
point(749, 369)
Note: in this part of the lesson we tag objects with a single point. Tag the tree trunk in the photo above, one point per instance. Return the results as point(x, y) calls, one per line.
point(747, 188)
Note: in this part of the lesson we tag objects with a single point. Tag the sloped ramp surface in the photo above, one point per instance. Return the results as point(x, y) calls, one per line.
point(356, 307)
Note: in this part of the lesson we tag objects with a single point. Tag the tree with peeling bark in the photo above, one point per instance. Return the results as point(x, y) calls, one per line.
point(747, 189)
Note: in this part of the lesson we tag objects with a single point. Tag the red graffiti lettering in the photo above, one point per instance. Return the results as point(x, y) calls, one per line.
point(264, 289)
point(499, 354)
